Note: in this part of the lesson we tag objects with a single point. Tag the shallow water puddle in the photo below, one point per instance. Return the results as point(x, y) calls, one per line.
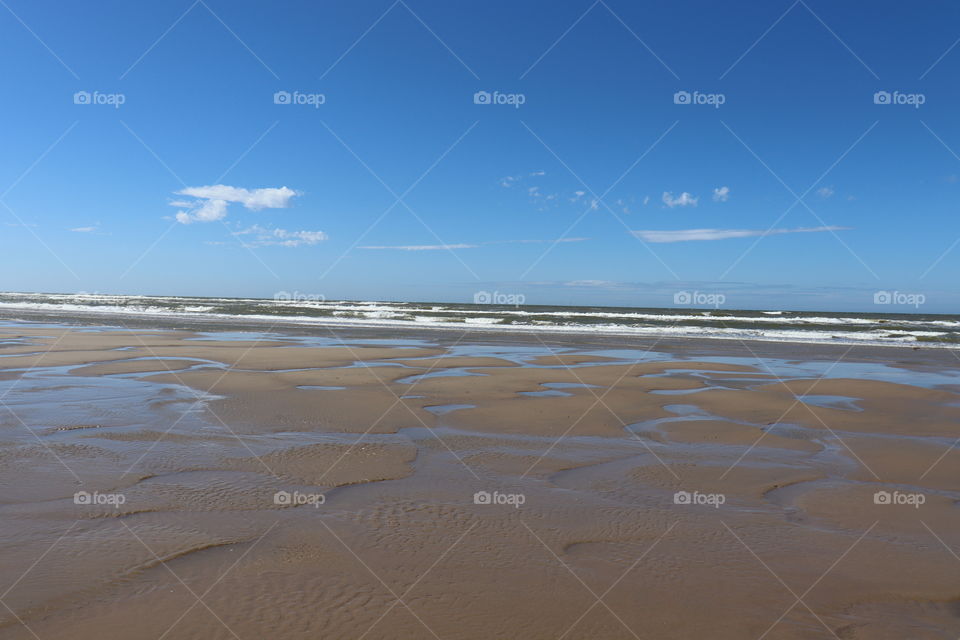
point(549, 393)
point(832, 402)
point(443, 409)
point(444, 373)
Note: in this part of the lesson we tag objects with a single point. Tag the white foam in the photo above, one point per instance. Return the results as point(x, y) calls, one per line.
point(896, 331)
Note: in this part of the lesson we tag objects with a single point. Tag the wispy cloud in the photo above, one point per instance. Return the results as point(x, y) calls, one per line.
point(463, 245)
point(601, 284)
point(537, 196)
point(721, 194)
point(683, 200)
point(558, 240)
point(825, 192)
point(509, 181)
point(211, 202)
point(281, 237)
point(689, 235)
point(420, 247)
point(578, 198)
point(85, 229)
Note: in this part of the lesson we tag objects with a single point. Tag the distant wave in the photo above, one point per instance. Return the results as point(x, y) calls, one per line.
point(782, 326)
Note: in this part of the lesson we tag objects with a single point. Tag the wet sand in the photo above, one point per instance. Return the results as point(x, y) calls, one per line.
point(188, 483)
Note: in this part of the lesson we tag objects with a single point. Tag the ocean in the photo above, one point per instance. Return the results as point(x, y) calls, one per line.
point(929, 330)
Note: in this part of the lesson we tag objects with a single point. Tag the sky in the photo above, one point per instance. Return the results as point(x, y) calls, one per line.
point(785, 154)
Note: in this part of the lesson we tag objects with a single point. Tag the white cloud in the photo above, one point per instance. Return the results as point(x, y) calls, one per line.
point(687, 235)
point(84, 229)
point(212, 201)
point(646, 200)
point(825, 192)
point(254, 199)
point(683, 200)
point(721, 194)
point(297, 238)
point(281, 237)
point(203, 211)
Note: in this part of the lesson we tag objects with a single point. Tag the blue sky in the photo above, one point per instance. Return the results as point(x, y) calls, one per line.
point(598, 189)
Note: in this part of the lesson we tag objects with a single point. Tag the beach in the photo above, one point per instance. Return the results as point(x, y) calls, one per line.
point(198, 478)
point(545, 320)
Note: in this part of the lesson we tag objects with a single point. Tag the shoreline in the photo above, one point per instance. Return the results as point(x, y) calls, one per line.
point(907, 354)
